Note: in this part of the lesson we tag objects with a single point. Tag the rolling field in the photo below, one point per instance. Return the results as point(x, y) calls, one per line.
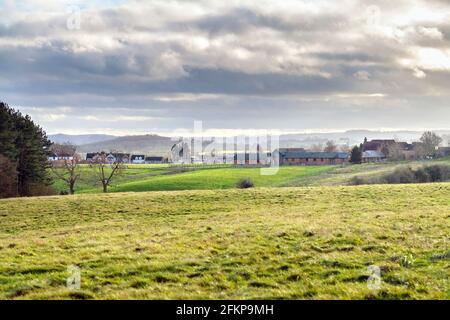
point(165, 178)
point(138, 178)
point(274, 243)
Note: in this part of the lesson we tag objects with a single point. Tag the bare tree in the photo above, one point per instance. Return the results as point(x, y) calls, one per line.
point(447, 138)
point(106, 171)
point(395, 153)
point(419, 151)
point(67, 167)
point(316, 147)
point(330, 146)
point(344, 148)
point(430, 141)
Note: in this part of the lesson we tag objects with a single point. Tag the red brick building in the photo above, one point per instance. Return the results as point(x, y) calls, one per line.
point(313, 158)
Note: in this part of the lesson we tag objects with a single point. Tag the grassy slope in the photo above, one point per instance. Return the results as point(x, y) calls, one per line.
point(221, 178)
point(89, 180)
point(339, 175)
point(164, 177)
point(258, 243)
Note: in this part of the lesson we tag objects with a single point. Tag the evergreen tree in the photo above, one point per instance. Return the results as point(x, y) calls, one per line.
point(7, 132)
point(26, 145)
point(356, 155)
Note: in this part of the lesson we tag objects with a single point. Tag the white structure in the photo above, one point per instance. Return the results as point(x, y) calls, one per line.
point(138, 159)
point(55, 157)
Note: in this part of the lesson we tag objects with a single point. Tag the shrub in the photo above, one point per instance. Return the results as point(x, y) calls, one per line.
point(421, 175)
point(245, 184)
point(438, 173)
point(40, 189)
point(401, 175)
point(356, 181)
point(432, 173)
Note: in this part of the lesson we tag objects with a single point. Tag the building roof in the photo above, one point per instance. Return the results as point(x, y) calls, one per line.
point(309, 154)
point(91, 155)
point(291, 149)
point(373, 154)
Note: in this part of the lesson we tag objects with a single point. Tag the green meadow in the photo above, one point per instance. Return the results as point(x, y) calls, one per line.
point(261, 243)
point(138, 178)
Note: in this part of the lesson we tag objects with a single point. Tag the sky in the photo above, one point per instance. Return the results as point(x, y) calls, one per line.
point(134, 67)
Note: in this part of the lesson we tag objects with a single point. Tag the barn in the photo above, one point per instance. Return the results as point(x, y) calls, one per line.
point(312, 158)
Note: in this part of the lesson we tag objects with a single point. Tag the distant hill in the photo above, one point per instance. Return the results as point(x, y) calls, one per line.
point(145, 144)
point(350, 137)
point(80, 139)
point(152, 144)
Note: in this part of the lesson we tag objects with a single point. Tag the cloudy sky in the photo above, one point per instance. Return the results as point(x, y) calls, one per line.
point(131, 67)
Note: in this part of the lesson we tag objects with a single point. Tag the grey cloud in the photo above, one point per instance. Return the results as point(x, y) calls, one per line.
point(256, 60)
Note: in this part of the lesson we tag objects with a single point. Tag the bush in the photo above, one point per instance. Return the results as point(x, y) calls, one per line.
point(245, 184)
point(421, 175)
point(432, 173)
point(401, 175)
point(37, 189)
point(356, 181)
point(438, 173)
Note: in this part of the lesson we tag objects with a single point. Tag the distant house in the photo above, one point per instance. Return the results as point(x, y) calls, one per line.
point(91, 157)
point(118, 157)
point(55, 157)
point(373, 156)
point(444, 151)
point(313, 158)
point(152, 160)
point(378, 145)
point(138, 158)
point(110, 157)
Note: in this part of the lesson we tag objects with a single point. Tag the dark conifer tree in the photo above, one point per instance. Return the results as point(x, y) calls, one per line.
point(26, 145)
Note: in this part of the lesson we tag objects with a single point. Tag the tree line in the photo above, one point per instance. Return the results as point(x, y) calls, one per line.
point(24, 151)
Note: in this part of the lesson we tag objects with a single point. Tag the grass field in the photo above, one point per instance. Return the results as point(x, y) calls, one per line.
point(274, 243)
point(165, 178)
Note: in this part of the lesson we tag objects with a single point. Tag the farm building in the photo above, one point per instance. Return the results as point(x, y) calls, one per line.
point(313, 158)
point(150, 160)
point(110, 157)
point(138, 158)
point(291, 149)
point(55, 157)
point(373, 156)
point(378, 145)
point(118, 157)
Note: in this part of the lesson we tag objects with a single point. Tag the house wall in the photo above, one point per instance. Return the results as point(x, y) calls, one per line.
point(373, 159)
point(311, 161)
